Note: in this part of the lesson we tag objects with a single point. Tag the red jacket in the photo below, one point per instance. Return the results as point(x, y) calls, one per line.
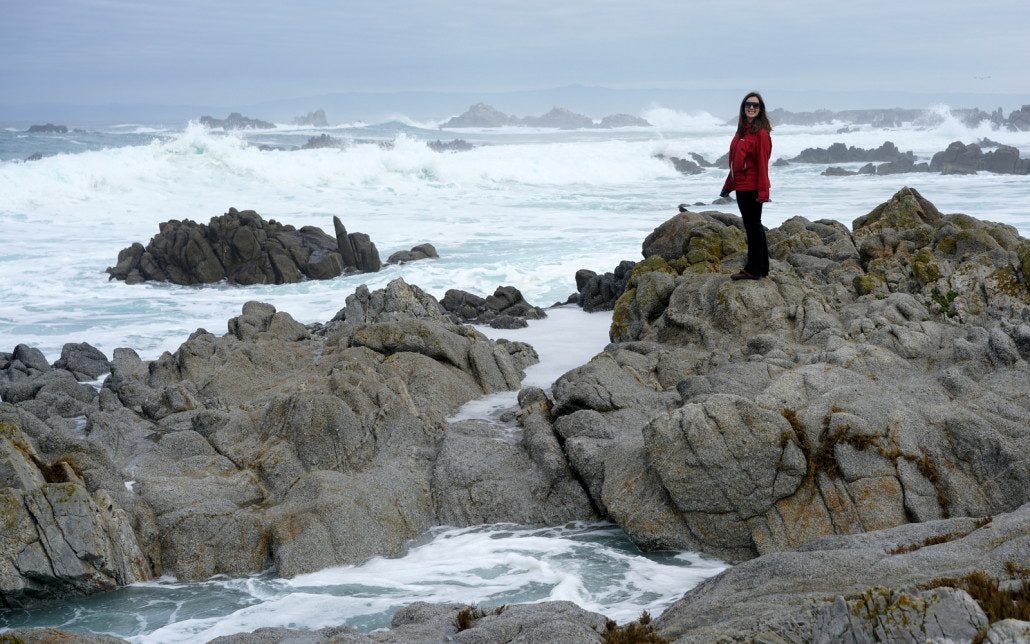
point(749, 163)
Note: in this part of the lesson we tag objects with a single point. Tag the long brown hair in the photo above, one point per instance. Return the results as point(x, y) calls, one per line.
point(760, 122)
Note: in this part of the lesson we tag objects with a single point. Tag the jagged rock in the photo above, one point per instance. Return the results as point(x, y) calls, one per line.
point(422, 251)
point(600, 292)
point(35, 156)
point(840, 153)
point(623, 120)
point(481, 115)
point(455, 145)
point(274, 444)
point(57, 538)
point(505, 309)
point(48, 128)
point(242, 248)
point(313, 119)
point(558, 117)
point(51, 635)
point(839, 385)
point(85, 361)
point(684, 166)
point(967, 159)
point(236, 121)
point(323, 141)
point(919, 582)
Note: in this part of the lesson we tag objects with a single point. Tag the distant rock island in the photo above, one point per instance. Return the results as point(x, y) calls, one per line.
point(314, 119)
point(483, 115)
point(236, 121)
point(48, 128)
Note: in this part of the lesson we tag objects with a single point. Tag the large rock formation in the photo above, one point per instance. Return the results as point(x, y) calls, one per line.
point(483, 115)
point(959, 158)
point(278, 444)
point(505, 309)
point(878, 378)
point(242, 248)
point(948, 580)
point(313, 119)
point(840, 153)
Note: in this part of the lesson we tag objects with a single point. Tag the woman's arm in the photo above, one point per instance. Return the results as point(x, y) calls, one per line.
point(764, 152)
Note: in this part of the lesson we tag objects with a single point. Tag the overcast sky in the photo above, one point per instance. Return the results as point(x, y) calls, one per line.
point(211, 52)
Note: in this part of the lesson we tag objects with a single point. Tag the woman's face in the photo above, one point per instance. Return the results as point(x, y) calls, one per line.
point(752, 106)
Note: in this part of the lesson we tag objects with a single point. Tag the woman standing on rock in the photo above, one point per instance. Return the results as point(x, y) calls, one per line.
point(749, 176)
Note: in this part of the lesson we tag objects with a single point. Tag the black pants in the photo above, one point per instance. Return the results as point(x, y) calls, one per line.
point(757, 247)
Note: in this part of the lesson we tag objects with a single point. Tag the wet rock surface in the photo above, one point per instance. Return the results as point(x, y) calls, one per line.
point(505, 309)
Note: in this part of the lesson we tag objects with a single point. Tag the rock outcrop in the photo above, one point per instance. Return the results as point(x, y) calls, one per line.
point(236, 121)
point(275, 444)
point(840, 153)
point(48, 128)
point(505, 309)
point(949, 580)
point(878, 378)
point(454, 145)
point(240, 247)
point(312, 119)
point(483, 115)
point(959, 158)
point(422, 251)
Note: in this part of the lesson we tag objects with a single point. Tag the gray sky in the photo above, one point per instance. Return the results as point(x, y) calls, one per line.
point(222, 53)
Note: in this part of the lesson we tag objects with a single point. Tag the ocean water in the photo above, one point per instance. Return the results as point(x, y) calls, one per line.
point(526, 207)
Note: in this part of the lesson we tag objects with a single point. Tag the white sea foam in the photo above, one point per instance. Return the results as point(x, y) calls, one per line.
point(529, 209)
point(589, 564)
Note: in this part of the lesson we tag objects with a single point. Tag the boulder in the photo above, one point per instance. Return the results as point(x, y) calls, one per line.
point(422, 251)
point(323, 141)
point(242, 248)
point(85, 361)
point(623, 120)
point(505, 309)
point(600, 292)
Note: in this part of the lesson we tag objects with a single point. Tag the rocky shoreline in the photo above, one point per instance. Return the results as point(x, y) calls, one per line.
point(852, 430)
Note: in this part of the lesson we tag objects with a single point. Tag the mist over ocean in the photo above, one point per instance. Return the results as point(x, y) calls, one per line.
point(525, 207)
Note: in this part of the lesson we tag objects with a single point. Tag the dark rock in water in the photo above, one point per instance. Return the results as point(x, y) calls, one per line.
point(701, 161)
point(780, 163)
point(836, 171)
point(85, 361)
point(1019, 120)
point(323, 141)
point(840, 153)
point(722, 201)
point(988, 143)
point(356, 249)
point(242, 248)
point(968, 159)
point(422, 251)
point(35, 156)
point(684, 166)
point(48, 128)
point(314, 119)
point(505, 309)
point(236, 121)
point(481, 115)
point(623, 120)
point(560, 118)
point(600, 292)
point(456, 145)
point(868, 168)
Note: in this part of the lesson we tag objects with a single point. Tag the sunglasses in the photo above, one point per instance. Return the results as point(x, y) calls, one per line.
point(750, 105)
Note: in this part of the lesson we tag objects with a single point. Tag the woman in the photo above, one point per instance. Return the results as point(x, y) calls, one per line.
point(749, 176)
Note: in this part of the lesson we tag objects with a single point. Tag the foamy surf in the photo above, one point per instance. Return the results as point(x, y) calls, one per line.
point(591, 564)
